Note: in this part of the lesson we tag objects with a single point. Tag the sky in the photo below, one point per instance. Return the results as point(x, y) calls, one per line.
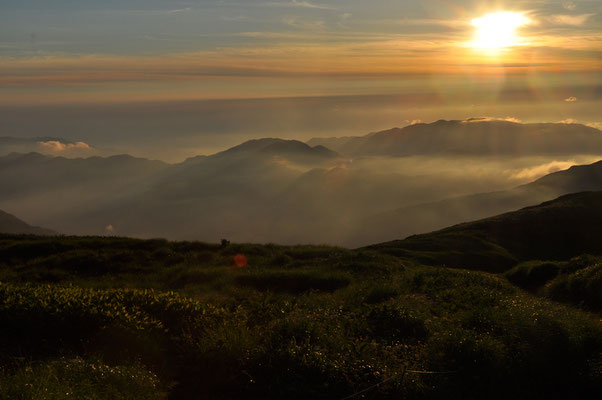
point(207, 73)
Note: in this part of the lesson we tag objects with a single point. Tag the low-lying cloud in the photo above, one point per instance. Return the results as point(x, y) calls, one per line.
point(532, 173)
point(54, 146)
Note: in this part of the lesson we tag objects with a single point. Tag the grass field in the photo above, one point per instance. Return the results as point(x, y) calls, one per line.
point(107, 318)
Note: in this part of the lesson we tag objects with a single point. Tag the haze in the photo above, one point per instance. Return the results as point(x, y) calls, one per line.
point(493, 95)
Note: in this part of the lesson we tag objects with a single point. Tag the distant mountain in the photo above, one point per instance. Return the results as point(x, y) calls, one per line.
point(566, 227)
point(409, 220)
point(292, 150)
point(474, 136)
point(13, 225)
point(265, 190)
point(46, 189)
point(37, 172)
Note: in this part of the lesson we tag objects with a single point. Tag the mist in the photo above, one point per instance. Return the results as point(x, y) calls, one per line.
point(172, 131)
point(275, 190)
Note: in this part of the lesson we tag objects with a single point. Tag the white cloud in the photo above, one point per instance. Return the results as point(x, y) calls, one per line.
point(508, 119)
point(570, 99)
point(569, 5)
point(572, 20)
point(452, 23)
point(55, 146)
point(532, 173)
point(299, 4)
point(315, 26)
point(180, 10)
point(597, 125)
point(568, 121)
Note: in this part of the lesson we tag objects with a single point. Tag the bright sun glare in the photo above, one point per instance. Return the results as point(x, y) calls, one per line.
point(497, 31)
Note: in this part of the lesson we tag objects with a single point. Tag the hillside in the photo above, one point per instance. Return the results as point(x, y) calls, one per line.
point(405, 221)
point(114, 317)
point(13, 225)
point(472, 137)
point(555, 230)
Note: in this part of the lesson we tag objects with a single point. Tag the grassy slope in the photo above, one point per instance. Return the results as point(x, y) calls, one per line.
point(111, 318)
point(556, 230)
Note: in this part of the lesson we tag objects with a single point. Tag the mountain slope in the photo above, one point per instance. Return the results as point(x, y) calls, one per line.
point(474, 136)
point(292, 150)
point(555, 230)
point(427, 217)
point(67, 185)
point(13, 225)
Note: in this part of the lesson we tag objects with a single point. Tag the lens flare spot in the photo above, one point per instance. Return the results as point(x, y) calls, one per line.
point(240, 260)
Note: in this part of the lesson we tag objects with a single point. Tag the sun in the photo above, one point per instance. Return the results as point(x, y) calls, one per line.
point(498, 30)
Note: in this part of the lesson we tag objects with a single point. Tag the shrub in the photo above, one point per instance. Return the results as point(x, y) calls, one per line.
point(380, 294)
point(393, 323)
point(79, 379)
point(582, 287)
point(533, 274)
point(293, 281)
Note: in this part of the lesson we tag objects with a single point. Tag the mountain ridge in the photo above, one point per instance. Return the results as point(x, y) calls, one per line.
point(558, 229)
point(10, 224)
point(471, 137)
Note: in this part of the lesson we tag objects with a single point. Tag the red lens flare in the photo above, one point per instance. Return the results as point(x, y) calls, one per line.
point(240, 260)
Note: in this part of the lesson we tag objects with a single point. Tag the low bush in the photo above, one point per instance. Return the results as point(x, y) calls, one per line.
point(293, 281)
point(533, 274)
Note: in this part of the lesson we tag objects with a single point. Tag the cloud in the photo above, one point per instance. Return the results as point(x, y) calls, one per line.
point(179, 10)
point(481, 119)
point(299, 4)
point(570, 99)
point(532, 173)
point(568, 121)
point(450, 23)
point(55, 146)
point(571, 20)
point(569, 5)
point(234, 18)
point(343, 18)
point(597, 125)
point(294, 22)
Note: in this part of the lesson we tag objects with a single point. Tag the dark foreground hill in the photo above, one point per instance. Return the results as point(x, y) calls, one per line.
point(13, 225)
point(555, 230)
point(117, 318)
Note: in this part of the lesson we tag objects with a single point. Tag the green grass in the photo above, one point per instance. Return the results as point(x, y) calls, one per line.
point(79, 379)
point(121, 318)
point(533, 274)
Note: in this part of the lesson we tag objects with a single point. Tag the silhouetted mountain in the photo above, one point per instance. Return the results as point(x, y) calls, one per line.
point(39, 172)
point(472, 137)
point(267, 190)
point(13, 225)
point(566, 227)
point(420, 218)
point(67, 185)
point(293, 150)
